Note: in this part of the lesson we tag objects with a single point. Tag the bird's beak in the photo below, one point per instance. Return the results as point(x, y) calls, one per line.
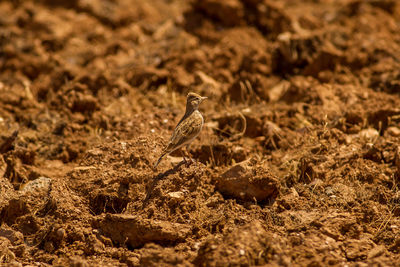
point(203, 98)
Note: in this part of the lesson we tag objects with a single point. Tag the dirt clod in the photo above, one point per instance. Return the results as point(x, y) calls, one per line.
point(248, 181)
point(136, 231)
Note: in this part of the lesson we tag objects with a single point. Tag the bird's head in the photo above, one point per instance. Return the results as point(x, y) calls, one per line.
point(193, 101)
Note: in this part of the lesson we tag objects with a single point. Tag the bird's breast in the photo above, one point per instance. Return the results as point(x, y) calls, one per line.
point(198, 117)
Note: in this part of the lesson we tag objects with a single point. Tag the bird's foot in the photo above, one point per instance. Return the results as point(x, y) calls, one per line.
point(191, 161)
point(188, 161)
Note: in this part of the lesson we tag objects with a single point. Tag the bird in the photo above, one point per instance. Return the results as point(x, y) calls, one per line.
point(188, 128)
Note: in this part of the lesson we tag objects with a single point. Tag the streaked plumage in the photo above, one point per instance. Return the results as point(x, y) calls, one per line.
point(188, 128)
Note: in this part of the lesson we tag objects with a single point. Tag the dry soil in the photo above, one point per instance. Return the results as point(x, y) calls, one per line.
point(298, 163)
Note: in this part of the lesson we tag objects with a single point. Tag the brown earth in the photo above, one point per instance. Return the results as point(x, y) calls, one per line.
point(298, 163)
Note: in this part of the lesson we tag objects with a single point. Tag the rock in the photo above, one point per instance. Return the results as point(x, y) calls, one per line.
point(276, 92)
point(393, 131)
point(136, 231)
point(177, 196)
point(61, 233)
point(41, 184)
point(369, 135)
point(247, 182)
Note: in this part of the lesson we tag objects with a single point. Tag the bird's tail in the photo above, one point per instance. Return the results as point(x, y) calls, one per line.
point(158, 161)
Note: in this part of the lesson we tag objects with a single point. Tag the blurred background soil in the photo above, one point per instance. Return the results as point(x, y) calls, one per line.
point(298, 163)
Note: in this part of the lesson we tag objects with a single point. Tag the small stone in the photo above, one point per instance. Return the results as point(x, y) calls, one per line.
point(276, 92)
point(348, 139)
point(196, 246)
point(393, 131)
point(369, 135)
point(41, 184)
point(176, 195)
point(60, 233)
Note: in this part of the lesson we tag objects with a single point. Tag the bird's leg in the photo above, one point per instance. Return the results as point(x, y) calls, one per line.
point(190, 156)
point(183, 156)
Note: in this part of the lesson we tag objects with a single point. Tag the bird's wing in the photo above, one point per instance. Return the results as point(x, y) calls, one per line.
point(184, 132)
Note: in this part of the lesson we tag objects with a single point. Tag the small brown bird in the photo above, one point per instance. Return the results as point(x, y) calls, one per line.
point(188, 127)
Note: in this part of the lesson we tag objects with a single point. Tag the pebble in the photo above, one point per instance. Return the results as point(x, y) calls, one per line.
point(60, 233)
point(369, 134)
point(39, 184)
point(176, 195)
point(393, 131)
